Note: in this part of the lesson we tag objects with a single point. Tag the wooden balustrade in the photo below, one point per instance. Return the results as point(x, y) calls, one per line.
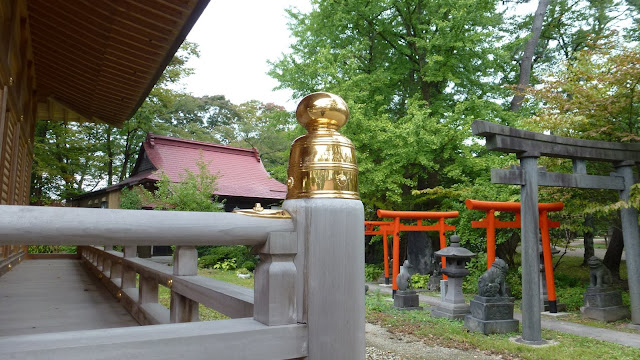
point(307, 302)
point(120, 270)
point(10, 256)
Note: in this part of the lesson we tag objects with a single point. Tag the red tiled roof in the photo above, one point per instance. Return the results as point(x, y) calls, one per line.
point(240, 171)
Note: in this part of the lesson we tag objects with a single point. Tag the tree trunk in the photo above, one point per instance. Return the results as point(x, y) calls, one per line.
point(527, 58)
point(127, 154)
point(613, 256)
point(588, 239)
point(110, 157)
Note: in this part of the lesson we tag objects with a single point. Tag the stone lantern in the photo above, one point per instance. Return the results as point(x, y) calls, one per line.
point(453, 306)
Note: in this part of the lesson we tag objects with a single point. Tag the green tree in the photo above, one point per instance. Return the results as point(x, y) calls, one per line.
point(194, 192)
point(415, 74)
point(69, 158)
point(267, 127)
point(596, 97)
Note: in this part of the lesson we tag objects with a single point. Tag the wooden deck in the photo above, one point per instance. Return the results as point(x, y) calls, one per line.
point(52, 295)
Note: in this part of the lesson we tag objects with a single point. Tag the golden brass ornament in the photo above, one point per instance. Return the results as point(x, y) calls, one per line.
point(259, 211)
point(169, 283)
point(322, 163)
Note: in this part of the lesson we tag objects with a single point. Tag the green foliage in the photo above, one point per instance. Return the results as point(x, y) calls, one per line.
point(130, 199)
point(377, 302)
point(218, 254)
point(372, 272)
point(419, 281)
point(243, 271)
point(226, 265)
point(514, 282)
point(476, 266)
point(249, 265)
point(69, 158)
point(572, 297)
point(192, 193)
point(52, 249)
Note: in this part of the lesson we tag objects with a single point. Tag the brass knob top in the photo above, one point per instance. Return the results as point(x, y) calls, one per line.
point(322, 110)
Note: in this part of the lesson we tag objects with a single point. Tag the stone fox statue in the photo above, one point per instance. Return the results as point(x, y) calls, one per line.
point(491, 283)
point(599, 274)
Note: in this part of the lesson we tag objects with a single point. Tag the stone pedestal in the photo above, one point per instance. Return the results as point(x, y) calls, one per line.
point(406, 300)
point(453, 306)
point(604, 304)
point(491, 315)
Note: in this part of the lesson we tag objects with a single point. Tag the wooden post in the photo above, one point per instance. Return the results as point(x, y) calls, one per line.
point(185, 263)
point(275, 281)
point(115, 273)
point(106, 266)
point(330, 275)
point(396, 253)
point(99, 261)
point(443, 244)
point(491, 238)
point(148, 292)
point(128, 274)
point(385, 245)
point(548, 262)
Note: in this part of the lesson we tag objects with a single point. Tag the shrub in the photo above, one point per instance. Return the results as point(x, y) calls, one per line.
point(372, 272)
point(419, 281)
point(249, 265)
point(573, 297)
point(218, 254)
point(229, 264)
point(514, 282)
point(52, 249)
point(477, 266)
point(243, 271)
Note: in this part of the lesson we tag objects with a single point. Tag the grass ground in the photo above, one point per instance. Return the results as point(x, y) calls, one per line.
point(571, 281)
point(452, 334)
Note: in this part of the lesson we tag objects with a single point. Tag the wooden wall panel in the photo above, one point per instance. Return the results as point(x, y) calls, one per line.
point(17, 102)
point(3, 123)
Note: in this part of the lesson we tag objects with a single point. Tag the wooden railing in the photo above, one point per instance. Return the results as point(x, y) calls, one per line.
point(308, 299)
point(10, 256)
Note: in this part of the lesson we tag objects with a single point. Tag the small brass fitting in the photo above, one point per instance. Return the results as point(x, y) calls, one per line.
point(259, 211)
point(169, 283)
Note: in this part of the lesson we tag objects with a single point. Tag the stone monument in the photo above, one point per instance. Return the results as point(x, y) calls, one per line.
point(420, 252)
point(453, 306)
point(405, 299)
point(492, 308)
point(602, 301)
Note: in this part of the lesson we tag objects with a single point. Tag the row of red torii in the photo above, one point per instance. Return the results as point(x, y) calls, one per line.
point(490, 222)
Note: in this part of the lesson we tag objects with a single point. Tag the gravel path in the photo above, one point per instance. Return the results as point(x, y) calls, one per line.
point(383, 345)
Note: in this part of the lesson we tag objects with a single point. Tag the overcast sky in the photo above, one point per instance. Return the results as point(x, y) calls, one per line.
point(236, 39)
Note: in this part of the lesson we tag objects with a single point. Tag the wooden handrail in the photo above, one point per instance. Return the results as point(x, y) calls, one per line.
point(38, 225)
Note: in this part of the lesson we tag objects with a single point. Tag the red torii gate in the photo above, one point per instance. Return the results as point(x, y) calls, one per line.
point(394, 227)
point(491, 224)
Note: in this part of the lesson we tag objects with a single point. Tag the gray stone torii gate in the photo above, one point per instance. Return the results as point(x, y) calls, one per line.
point(529, 146)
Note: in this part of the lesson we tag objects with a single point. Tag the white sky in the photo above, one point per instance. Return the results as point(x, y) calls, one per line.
point(236, 39)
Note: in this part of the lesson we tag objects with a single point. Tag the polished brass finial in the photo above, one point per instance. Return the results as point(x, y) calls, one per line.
point(322, 163)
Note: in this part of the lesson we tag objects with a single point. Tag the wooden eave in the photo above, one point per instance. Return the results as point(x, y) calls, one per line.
point(98, 60)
